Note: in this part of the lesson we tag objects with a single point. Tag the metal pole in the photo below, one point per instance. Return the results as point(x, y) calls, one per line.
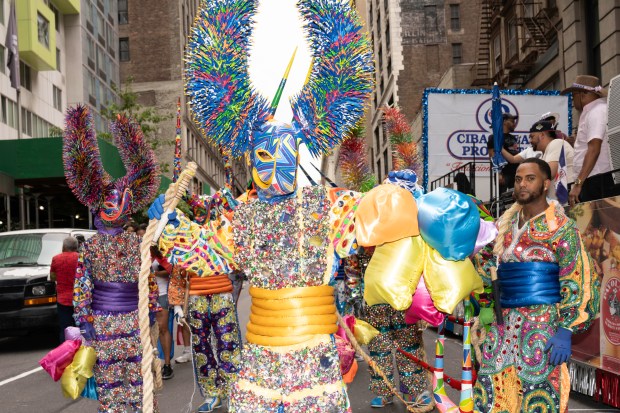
point(22, 212)
point(8, 212)
point(19, 115)
point(36, 211)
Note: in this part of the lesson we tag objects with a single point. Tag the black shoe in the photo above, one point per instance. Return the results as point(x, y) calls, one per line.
point(167, 373)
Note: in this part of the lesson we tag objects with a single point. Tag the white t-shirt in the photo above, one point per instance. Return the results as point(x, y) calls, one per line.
point(593, 125)
point(529, 152)
point(162, 282)
point(552, 154)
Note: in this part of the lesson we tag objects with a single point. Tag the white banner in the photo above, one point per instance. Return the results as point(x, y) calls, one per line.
point(459, 126)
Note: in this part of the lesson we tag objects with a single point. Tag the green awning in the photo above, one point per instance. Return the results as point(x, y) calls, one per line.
point(41, 158)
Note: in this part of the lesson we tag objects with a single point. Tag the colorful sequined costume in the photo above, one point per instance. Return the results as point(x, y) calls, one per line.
point(201, 253)
point(285, 240)
point(283, 247)
point(106, 279)
point(515, 373)
point(106, 284)
point(395, 333)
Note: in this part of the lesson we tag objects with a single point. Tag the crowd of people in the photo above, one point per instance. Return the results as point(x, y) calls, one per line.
point(586, 156)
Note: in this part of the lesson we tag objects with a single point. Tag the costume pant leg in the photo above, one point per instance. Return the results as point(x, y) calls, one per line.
point(412, 377)
point(119, 355)
point(381, 348)
point(540, 381)
point(228, 338)
point(205, 364)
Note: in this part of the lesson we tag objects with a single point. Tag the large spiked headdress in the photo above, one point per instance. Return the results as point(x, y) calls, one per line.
point(112, 200)
point(227, 108)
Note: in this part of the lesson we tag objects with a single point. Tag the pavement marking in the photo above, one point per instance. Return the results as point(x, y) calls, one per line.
point(19, 376)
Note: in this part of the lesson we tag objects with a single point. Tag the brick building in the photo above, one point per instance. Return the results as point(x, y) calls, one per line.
point(152, 38)
point(414, 43)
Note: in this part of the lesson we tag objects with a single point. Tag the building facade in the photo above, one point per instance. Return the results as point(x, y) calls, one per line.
point(68, 55)
point(414, 43)
point(152, 38)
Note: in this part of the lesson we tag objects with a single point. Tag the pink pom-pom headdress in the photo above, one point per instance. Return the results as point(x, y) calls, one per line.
point(113, 200)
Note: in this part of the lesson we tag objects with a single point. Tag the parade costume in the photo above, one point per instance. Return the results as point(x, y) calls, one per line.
point(548, 290)
point(285, 241)
point(201, 255)
point(106, 285)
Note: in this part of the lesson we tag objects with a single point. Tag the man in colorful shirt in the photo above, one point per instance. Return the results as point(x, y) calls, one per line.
point(546, 280)
point(62, 271)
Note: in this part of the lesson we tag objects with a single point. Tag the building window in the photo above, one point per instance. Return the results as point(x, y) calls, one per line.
point(455, 17)
point(25, 76)
point(2, 59)
point(430, 19)
point(511, 36)
point(497, 53)
point(2, 12)
point(43, 30)
point(58, 60)
point(57, 98)
point(123, 15)
point(386, 164)
point(56, 17)
point(123, 49)
point(9, 112)
point(593, 38)
point(457, 53)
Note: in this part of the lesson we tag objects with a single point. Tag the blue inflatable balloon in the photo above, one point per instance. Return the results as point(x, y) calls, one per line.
point(449, 222)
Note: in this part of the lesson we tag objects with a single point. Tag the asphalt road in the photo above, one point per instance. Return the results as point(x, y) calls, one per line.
point(25, 388)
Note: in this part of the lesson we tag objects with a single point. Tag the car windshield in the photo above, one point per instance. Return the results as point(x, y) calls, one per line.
point(30, 249)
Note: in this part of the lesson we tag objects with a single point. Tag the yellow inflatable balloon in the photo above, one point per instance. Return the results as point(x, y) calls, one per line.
point(76, 374)
point(394, 271)
point(449, 282)
point(386, 213)
point(364, 332)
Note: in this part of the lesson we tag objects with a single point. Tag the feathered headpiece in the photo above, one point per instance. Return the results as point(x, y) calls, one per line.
point(87, 178)
point(227, 108)
point(354, 164)
point(404, 149)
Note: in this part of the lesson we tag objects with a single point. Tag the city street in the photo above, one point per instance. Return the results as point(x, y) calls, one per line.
point(25, 388)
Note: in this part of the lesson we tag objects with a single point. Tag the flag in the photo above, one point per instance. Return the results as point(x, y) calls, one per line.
point(13, 52)
point(561, 180)
point(497, 123)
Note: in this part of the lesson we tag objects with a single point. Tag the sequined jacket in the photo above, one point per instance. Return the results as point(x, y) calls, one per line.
point(108, 258)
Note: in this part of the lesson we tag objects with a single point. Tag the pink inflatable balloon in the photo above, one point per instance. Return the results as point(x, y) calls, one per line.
point(73, 333)
point(59, 358)
point(422, 307)
point(486, 234)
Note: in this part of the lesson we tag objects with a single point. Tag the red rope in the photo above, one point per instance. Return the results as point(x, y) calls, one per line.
point(450, 381)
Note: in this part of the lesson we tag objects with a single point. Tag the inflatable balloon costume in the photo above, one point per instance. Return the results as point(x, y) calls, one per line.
point(286, 241)
point(106, 285)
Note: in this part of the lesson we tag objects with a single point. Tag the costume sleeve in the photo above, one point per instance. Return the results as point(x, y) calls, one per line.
point(205, 250)
point(342, 222)
point(176, 286)
point(154, 306)
point(83, 288)
point(577, 276)
point(483, 261)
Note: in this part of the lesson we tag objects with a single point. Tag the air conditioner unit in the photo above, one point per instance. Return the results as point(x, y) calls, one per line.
point(613, 124)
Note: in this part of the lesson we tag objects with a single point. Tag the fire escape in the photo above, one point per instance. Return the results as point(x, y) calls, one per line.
point(536, 35)
point(482, 67)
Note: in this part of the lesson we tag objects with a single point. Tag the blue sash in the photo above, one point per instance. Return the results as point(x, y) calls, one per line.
point(523, 284)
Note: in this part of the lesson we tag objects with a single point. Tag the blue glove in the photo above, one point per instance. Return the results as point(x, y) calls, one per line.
point(88, 331)
point(559, 345)
point(156, 210)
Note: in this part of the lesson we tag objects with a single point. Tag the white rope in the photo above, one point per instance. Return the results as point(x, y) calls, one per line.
point(172, 197)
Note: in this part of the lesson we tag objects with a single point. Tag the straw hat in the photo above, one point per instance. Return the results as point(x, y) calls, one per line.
point(585, 83)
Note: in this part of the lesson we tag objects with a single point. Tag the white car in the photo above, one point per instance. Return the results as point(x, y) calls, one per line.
point(27, 297)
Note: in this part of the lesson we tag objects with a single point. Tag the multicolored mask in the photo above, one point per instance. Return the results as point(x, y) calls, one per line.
point(111, 201)
point(275, 157)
